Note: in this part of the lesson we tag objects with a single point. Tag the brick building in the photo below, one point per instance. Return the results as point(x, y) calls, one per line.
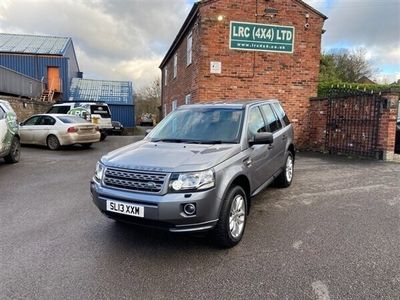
point(247, 49)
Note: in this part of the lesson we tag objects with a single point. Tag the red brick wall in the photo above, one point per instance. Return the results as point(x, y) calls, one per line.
point(186, 81)
point(291, 78)
point(387, 126)
point(318, 118)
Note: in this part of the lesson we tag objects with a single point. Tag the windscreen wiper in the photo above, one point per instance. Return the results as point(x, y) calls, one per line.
point(168, 140)
point(211, 142)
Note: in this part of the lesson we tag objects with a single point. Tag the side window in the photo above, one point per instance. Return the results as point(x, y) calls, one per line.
point(2, 113)
point(256, 122)
point(273, 122)
point(188, 99)
point(281, 113)
point(48, 121)
point(32, 121)
point(175, 65)
point(174, 104)
point(189, 45)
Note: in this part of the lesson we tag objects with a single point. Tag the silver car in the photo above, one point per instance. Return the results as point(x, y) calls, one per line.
point(55, 130)
point(198, 169)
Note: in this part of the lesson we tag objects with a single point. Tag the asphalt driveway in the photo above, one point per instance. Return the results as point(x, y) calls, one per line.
point(334, 234)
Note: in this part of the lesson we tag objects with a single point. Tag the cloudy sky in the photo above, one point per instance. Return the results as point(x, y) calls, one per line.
point(127, 39)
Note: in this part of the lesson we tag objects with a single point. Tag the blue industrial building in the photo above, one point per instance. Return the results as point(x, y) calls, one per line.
point(49, 59)
point(117, 94)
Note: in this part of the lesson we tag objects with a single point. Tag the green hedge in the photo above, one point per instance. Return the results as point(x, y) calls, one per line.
point(325, 87)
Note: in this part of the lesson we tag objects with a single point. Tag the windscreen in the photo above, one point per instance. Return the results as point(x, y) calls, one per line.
point(101, 110)
point(200, 125)
point(71, 119)
point(59, 110)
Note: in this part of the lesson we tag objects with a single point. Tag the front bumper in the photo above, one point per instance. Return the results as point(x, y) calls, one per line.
point(162, 211)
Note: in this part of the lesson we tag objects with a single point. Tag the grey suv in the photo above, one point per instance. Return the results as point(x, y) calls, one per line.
point(198, 169)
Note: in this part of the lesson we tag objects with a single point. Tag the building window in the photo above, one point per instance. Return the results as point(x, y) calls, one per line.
point(165, 110)
point(166, 76)
point(188, 98)
point(189, 44)
point(174, 104)
point(175, 64)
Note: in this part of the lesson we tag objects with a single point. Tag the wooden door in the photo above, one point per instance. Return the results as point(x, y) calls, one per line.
point(53, 79)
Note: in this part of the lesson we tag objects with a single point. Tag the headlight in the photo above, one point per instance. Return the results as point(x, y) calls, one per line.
point(98, 173)
point(192, 181)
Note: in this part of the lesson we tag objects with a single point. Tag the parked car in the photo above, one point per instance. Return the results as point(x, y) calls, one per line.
point(10, 148)
point(146, 119)
point(198, 169)
point(96, 112)
point(55, 130)
point(118, 128)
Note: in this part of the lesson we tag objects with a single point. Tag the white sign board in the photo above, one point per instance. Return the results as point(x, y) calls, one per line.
point(215, 67)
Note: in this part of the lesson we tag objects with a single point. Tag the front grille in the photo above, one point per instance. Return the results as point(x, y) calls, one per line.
point(135, 181)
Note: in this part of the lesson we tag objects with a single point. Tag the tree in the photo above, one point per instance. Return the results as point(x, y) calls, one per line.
point(345, 65)
point(148, 100)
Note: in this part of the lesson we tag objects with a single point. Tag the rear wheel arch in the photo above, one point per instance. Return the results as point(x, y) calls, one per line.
point(55, 147)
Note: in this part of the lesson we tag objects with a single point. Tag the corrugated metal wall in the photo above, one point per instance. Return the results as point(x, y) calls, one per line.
point(18, 84)
point(36, 66)
point(73, 67)
point(123, 113)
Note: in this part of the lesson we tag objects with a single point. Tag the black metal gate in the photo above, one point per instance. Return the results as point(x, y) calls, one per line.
point(353, 123)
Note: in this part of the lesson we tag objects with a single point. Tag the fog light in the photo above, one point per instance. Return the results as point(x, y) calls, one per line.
point(189, 209)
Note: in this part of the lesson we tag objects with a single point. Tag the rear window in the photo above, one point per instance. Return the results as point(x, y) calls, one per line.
point(101, 110)
point(281, 113)
point(72, 119)
point(59, 110)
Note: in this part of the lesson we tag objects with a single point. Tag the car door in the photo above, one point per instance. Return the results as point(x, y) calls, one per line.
point(27, 129)
point(278, 147)
point(3, 132)
point(42, 129)
point(260, 156)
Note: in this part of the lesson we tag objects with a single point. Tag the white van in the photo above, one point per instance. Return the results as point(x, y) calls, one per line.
point(96, 112)
point(10, 147)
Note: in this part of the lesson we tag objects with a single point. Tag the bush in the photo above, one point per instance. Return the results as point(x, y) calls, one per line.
point(324, 88)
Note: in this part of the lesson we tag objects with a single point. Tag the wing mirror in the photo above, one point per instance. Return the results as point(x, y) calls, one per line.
point(262, 138)
point(21, 124)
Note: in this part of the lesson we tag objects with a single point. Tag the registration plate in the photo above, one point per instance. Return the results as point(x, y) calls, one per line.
point(125, 208)
point(117, 127)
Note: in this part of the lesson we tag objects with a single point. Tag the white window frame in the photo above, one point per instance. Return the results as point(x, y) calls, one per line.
point(189, 49)
point(174, 104)
point(188, 99)
point(166, 76)
point(175, 65)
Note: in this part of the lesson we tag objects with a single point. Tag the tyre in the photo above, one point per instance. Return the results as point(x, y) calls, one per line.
point(15, 151)
point(285, 179)
point(232, 220)
point(53, 143)
point(87, 145)
point(103, 136)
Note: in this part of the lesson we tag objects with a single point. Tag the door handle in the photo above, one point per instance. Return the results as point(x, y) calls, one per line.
point(284, 137)
point(270, 146)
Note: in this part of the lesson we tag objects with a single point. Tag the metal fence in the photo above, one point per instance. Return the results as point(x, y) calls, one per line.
point(18, 84)
point(353, 123)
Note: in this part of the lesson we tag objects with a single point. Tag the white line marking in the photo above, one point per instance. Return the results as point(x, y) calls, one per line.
point(297, 244)
point(320, 290)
